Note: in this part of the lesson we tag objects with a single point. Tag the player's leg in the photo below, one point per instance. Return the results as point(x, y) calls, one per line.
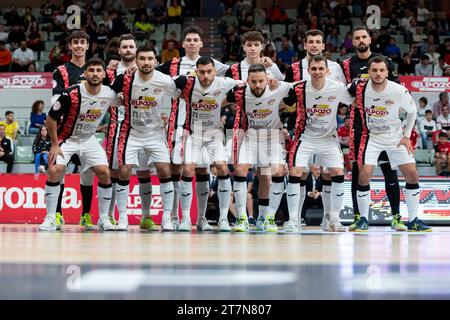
point(145, 192)
point(293, 199)
point(240, 196)
point(186, 192)
point(266, 219)
point(86, 181)
point(104, 190)
point(112, 207)
point(167, 193)
point(391, 183)
point(363, 194)
point(224, 195)
point(336, 198)
point(52, 191)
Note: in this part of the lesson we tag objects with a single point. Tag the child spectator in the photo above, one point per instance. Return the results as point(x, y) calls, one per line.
point(442, 149)
point(427, 126)
point(41, 147)
point(423, 107)
point(37, 117)
point(344, 140)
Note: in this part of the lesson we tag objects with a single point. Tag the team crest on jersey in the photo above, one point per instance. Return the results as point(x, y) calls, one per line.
point(144, 102)
point(261, 113)
point(319, 110)
point(271, 102)
point(91, 116)
point(205, 105)
point(389, 102)
point(331, 98)
point(377, 111)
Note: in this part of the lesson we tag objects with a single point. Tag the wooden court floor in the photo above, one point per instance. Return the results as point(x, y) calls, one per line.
point(291, 258)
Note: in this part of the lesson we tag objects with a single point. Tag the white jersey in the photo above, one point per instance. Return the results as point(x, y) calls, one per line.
point(335, 71)
point(321, 108)
point(263, 112)
point(273, 71)
point(80, 122)
point(205, 103)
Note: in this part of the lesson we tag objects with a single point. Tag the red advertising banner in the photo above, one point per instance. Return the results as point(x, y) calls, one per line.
point(427, 84)
point(22, 200)
point(32, 80)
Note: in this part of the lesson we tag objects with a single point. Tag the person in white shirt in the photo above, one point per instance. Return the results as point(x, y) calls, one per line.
point(426, 128)
point(443, 121)
point(423, 107)
point(22, 57)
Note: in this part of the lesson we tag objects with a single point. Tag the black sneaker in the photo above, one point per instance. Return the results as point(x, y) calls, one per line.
point(355, 221)
point(418, 225)
point(362, 225)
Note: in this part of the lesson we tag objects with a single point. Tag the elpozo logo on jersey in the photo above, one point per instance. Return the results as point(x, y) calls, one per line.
point(320, 110)
point(260, 114)
point(144, 102)
point(377, 111)
point(92, 115)
point(205, 105)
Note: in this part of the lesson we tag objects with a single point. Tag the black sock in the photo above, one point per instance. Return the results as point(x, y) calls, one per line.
point(86, 196)
point(392, 187)
point(355, 174)
point(61, 191)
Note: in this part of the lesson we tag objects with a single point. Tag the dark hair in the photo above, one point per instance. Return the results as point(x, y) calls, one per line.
point(425, 100)
point(192, 29)
point(145, 49)
point(94, 62)
point(378, 59)
point(204, 61)
point(252, 36)
point(78, 34)
point(256, 68)
point(2, 43)
point(126, 36)
point(39, 136)
point(424, 57)
point(361, 27)
point(313, 33)
point(317, 58)
point(35, 106)
point(7, 113)
point(442, 94)
point(347, 118)
point(442, 134)
point(428, 111)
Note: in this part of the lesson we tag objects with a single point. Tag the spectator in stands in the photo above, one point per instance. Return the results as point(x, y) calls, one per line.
point(313, 190)
point(90, 27)
point(3, 33)
point(333, 42)
point(37, 117)
point(5, 57)
point(277, 14)
point(229, 18)
point(6, 149)
point(11, 126)
point(31, 67)
point(423, 107)
point(324, 13)
point(376, 44)
point(344, 140)
point(139, 11)
point(438, 69)
point(393, 51)
point(152, 45)
point(247, 24)
point(331, 24)
point(172, 37)
point(34, 39)
point(415, 55)
point(41, 147)
point(446, 72)
point(159, 13)
point(143, 28)
point(443, 121)
point(347, 42)
point(22, 57)
point(444, 51)
point(405, 23)
point(286, 55)
point(442, 149)
point(437, 106)
point(117, 5)
point(430, 30)
point(393, 23)
point(174, 12)
point(341, 115)
point(306, 12)
point(15, 37)
point(342, 14)
point(422, 13)
point(434, 56)
point(169, 53)
point(232, 49)
point(28, 17)
point(426, 127)
point(48, 8)
point(406, 66)
point(12, 17)
point(107, 21)
point(58, 55)
point(60, 18)
point(424, 68)
point(270, 52)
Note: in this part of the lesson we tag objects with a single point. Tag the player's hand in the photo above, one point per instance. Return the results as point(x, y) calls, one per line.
point(273, 84)
point(113, 64)
point(131, 70)
point(267, 62)
point(407, 143)
point(55, 151)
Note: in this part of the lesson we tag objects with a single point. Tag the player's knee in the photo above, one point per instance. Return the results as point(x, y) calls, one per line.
point(188, 171)
point(222, 169)
point(54, 173)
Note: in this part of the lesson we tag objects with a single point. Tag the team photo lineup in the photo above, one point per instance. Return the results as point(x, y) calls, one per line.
point(192, 140)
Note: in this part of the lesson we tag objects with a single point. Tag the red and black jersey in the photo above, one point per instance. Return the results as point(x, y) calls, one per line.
point(355, 67)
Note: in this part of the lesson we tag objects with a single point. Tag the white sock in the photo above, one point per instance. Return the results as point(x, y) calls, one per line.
point(186, 196)
point(51, 197)
point(412, 198)
point(240, 196)
point(337, 196)
point(224, 193)
point(122, 191)
point(176, 197)
point(363, 197)
point(202, 191)
point(276, 193)
point(302, 198)
point(145, 192)
point(104, 199)
point(112, 204)
point(293, 196)
point(166, 189)
point(326, 195)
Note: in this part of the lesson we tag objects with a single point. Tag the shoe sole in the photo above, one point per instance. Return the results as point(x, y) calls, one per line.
point(428, 230)
point(224, 230)
point(360, 230)
point(241, 231)
point(46, 230)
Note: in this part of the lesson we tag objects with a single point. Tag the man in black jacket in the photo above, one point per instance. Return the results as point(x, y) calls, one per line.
point(6, 153)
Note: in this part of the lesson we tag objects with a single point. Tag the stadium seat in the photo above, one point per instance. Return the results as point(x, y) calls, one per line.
point(174, 27)
point(26, 140)
point(278, 30)
point(24, 154)
point(100, 136)
point(424, 157)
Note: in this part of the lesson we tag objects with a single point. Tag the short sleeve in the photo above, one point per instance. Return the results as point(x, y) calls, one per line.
point(60, 106)
point(291, 98)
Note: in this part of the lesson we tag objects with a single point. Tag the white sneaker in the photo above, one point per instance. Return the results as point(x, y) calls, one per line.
point(49, 224)
point(122, 225)
point(185, 225)
point(105, 224)
point(41, 169)
point(175, 222)
point(167, 225)
point(203, 225)
point(325, 222)
point(291, 226)
point(224, 226)
point(260, 224)
point(336, 226)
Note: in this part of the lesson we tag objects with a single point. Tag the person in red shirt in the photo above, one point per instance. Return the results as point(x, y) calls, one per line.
point(5, 57)
point(442, 149)
point(344, 139)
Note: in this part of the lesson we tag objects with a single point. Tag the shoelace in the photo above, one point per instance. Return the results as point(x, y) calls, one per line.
point(241, 221)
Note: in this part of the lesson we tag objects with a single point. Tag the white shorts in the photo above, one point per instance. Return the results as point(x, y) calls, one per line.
point(90, 152)
point(178, 151)
point(327, 153)
point(146, 147)
point(262, 150)
point(211, 142)
point(397, 155)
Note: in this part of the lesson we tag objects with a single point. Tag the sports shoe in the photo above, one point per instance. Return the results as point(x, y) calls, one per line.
point(355, 221)
point(325, 222)
point(112, 220)
point(86, 222)
point(49, 224)
point(241, 225)
point(260, 224)
point(270, 224)
point(418, 225)
point(175, 222)
point(105, 225)
point(397, 223)
point(147, 224)
point(291, 226)
point(185, 225)
point(59, 220)
point(251, 221)
point(167, 225)
point(122, 225)
point(362, 225)
point(336, 226)
point(203, 225)
point(224, 226)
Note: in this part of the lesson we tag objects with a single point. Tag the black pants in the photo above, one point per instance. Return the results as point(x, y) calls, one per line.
point(9, 159)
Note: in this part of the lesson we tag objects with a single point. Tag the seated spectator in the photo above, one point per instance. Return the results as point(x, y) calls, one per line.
point(347, 42)
point(37, 117)
point(159, 13)
point(3, 33)
point(286, 55)
point(232, 49)
point(333, 42)
point(172, 37)
point(406, 66)
point(437, 106)
point(443, 121)
point(393, 23)
point(34, 39)
point(174, 12)
point(22, 57)
point(423, 107)
point(438, 70)
point(6, 149)
point(31, 67)
point(342, 14)
point(344, 140)
point(60, 18)
point(58, 55)
point(434, 56)
point(139, 11)
point(277, 14)
point(169, 53)
point(422, 13)
point(229, 19)
point(313, 190)
point(143, 25)
point(331, 24)
point(41, 147)
point(12, 17)
point(424, 68)
point(5, 57)
point(442, 149)
point(341, 115)
point(393, 51)
point(15, 37)
point(270, 52)
point(446, 72)
point(248, 24)
point(426, 127)
point(47, 11)
point(28, 17)
point(11, 126)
